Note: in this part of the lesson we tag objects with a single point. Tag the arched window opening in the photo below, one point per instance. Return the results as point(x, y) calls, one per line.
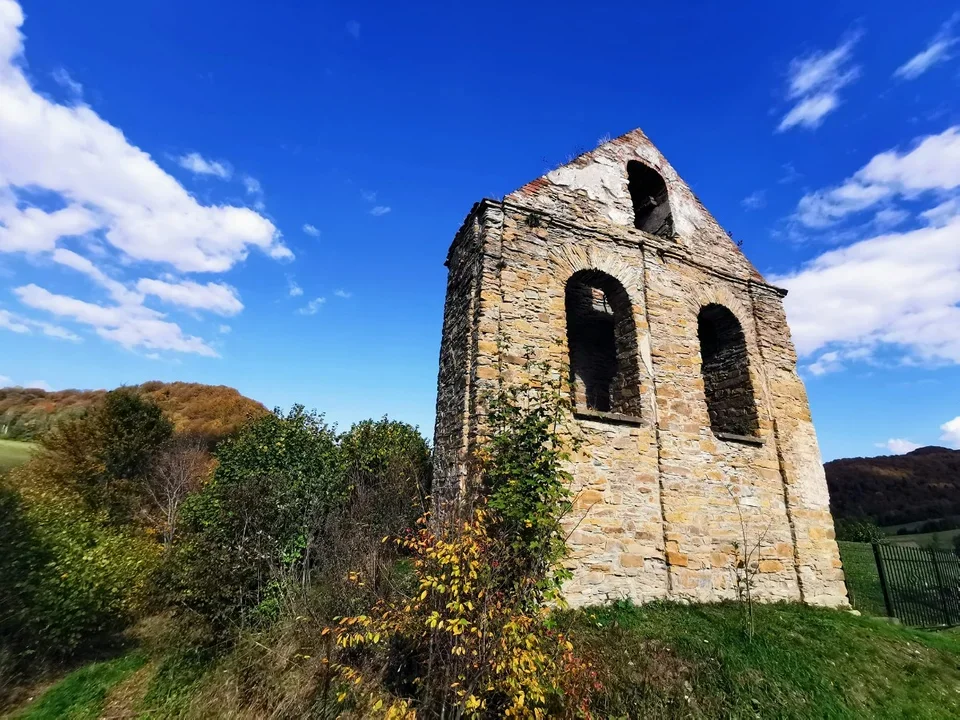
point(726, 372)
point(651, 206)
point(602, 338)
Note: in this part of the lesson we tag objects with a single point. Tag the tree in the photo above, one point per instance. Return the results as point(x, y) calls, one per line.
point(105, 455)
point(178, 470)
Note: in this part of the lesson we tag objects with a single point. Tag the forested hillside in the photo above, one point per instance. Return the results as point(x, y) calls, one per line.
point(207, 410)
point(921, 485)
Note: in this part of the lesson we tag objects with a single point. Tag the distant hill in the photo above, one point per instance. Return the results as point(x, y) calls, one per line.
point(921, 485)
point(209, 410)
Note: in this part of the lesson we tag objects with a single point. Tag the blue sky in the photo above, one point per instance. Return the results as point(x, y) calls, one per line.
point(262, 195)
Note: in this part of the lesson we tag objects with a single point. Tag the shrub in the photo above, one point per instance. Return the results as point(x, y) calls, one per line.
point(859, 530)
point(475, 638)
point(71, 580)
point(255, 528)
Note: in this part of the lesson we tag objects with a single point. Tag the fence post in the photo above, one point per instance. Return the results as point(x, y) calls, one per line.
point(883, 578)
point(940, 588)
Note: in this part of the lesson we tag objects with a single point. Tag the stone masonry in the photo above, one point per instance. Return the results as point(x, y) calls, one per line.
point(680, 368)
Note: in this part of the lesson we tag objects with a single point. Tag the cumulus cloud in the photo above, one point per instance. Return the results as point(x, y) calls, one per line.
point(5, 381)
point(293, 289)
point(933, 164)
point(899, 446)
point(39, 385)
point(130, 325)
point(379, 210)
point(311, 230)
point(312, 307)
point(814, 84)
point(951, 432)
point(217, 298)
point(343, 294)
point(252, 185)
point(225, 329)
point(938, 51)
point(104, 183)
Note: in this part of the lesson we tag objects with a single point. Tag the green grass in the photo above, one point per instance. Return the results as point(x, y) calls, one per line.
point(675, 661)
point(942, 539)
point(82, 695)
point(14, 453)
point(863, 578)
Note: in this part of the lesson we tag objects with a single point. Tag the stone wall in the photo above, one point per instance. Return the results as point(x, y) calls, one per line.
point(663, 496)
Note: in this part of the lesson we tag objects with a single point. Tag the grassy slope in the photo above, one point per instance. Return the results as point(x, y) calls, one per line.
point(667, 661)
point(13, 453)
point(658, 661)
point(82, 695)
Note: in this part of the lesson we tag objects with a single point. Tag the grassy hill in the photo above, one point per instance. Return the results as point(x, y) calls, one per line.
point(208, 410)
point(655, 661)
point(921, 485)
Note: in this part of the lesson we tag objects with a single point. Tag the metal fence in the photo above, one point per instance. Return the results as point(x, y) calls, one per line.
point(863, 578)
point(921, 586)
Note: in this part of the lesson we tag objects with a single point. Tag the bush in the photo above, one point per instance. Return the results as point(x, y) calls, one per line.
point(257, 526)
point(475, 637)
point(859, 530)
point(71, 580)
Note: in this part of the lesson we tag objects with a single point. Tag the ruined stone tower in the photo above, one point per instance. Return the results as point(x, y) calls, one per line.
point(681, 371)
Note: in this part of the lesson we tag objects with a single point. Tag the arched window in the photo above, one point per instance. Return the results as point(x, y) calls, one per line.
point(651, 205)
point(602, 337)
point(726, 372)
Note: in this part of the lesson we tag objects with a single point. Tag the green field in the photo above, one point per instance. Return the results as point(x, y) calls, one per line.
point(942, 539)
point(14, 453)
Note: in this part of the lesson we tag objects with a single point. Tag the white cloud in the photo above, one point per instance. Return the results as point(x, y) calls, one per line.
point(896, 290)
point(343, 294)
point(899, 446)
point(11, 322)
point(293, 289)
point(936, 52)
point(5, 381)
point(218, 298)
point(63, 79)
point(755, 200)
point(379, 210)
point(118, 291)
point(815, 81)
point(951, 432)
point(353, 28)
point(39, 385)
point(132, 326)
point(828, 362)
point(252, 185)
point(312, 307)
point(224, 329)
point(25, 326)
point(196, 163)
point(105, 183)
point(932, 165)
point(311, 230)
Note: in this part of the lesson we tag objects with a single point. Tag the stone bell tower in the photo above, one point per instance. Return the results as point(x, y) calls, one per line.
point(681, 372)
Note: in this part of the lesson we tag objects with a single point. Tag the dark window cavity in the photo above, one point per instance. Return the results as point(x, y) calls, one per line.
point(726, 372)
point(602, 337)
point(651, 206)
